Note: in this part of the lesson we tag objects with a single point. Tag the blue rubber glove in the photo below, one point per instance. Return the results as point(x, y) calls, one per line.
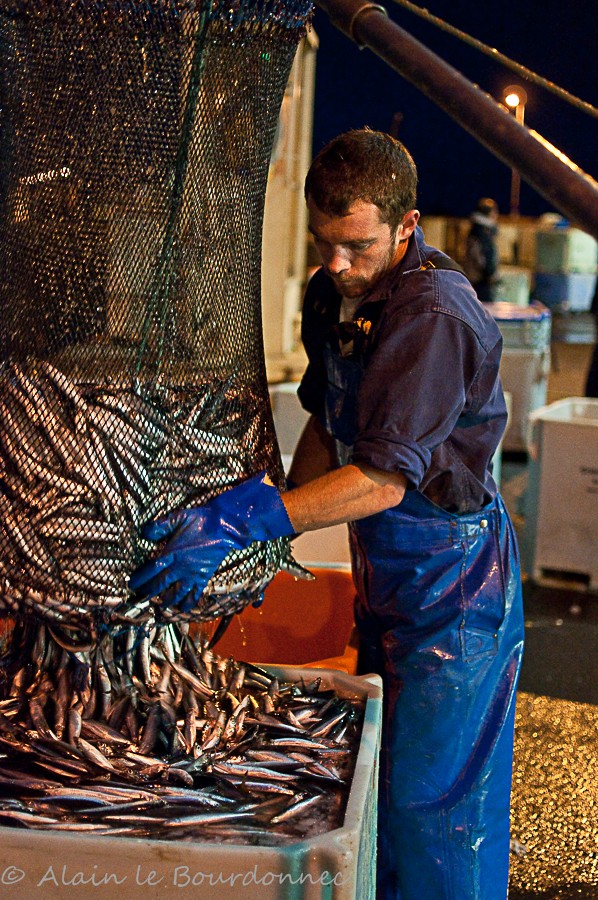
point(201, 537)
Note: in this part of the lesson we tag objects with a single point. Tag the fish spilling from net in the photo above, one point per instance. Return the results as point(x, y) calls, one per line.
point(83, 467)
point(149, 733)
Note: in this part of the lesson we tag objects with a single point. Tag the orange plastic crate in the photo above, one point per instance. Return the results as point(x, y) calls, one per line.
point(300, 623)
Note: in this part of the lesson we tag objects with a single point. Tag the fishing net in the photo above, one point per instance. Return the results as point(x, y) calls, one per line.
point(135, 145)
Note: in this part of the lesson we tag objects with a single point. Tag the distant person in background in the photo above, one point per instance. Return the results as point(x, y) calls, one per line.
point(481, 252)
point(592, 376)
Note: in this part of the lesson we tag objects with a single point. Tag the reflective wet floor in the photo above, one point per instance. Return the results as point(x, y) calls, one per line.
point(555, 797)
point(555, 781)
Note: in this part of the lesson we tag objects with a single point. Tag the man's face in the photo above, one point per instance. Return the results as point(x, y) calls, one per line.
point(358, 249)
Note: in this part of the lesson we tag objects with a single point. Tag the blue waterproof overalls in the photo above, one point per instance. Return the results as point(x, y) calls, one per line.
point(439, 614)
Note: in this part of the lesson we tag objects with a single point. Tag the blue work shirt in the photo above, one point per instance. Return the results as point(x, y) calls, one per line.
point(429, 401)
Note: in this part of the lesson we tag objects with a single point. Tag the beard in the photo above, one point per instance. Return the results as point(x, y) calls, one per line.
point(352, 288)
point(357, 286)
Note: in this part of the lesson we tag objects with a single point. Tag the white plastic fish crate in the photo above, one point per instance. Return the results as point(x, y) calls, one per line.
point(289, 416)
point(327, 546)
point(524, 375)
point(525, 363)
point(561, 502)
point(565, 250)
point(522, 327)
point(339, 864)
point(514, 285)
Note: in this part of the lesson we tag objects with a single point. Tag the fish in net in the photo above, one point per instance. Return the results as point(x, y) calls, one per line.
point(136, 140)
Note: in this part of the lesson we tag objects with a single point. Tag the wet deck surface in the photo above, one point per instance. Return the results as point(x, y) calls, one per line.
point(555, 779)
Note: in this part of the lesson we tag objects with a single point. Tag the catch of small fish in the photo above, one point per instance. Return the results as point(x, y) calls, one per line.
point(148, 733)
point(83, 467)
point(114, 717)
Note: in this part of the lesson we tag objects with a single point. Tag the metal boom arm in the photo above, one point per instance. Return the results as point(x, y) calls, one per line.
point(549, 172)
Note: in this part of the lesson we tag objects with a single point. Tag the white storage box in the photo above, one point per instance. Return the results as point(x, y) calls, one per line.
point(525, 364)
point(524, 374)
point(327, 545)
point(514, 285)
point(565, 250)
point(339, 864)
point(289, 417)
point(561, 504)
point(507, 241)
point(571, 292)
point(522, 327)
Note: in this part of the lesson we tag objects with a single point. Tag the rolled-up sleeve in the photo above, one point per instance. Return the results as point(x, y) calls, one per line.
point(414, 389)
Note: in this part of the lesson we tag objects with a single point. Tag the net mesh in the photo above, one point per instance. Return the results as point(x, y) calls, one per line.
point(135, 147)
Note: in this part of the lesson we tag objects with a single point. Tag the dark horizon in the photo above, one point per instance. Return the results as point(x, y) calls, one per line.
point(354, 88)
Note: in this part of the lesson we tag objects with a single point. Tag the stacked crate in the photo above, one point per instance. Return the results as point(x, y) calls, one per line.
point(566, 260)
point(525, 363)
point(514, 285)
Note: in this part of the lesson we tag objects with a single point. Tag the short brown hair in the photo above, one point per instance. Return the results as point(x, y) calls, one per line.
point(486, 206)
point(363, 165)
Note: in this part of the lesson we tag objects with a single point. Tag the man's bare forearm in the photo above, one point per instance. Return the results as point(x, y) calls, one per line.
point(325, 494)
point(349, 493)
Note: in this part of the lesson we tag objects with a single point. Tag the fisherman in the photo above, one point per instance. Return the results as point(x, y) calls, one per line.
point(407, 412)
point(481, 250)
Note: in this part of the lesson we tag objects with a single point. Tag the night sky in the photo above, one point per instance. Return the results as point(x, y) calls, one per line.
point(557, 40)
